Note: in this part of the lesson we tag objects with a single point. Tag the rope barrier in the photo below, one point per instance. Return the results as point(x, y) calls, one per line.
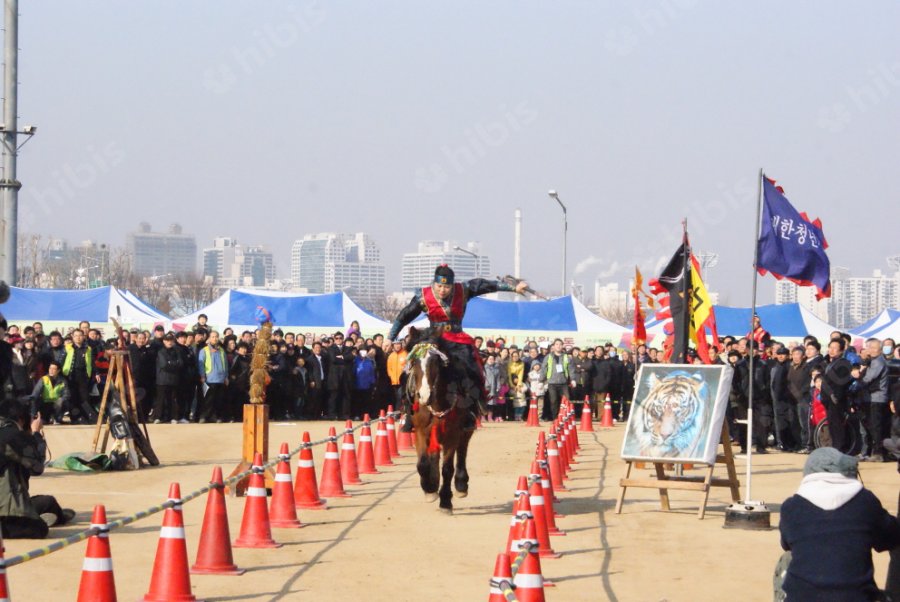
point(506, 588)
point(59, 544)
point(523, 554)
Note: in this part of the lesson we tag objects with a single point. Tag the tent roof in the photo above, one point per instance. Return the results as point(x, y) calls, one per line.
point(93, 305)
point(877, 323)
point(237, 307)
point(788, 320)
point(891, 330)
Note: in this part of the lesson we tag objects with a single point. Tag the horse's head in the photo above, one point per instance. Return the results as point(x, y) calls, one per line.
point(425, 363)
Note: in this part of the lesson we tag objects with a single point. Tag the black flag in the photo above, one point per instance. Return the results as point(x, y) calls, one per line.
point(676, 279)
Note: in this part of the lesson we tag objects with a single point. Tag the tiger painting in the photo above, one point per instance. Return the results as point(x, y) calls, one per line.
point(669, 422)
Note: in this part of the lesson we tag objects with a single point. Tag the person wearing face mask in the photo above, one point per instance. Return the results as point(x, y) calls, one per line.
point(887, 348)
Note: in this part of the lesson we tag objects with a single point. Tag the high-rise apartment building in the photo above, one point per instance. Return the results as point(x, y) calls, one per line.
point(331, 262)
point(230, 264)
point(853, 299)
point(418, 267)
point(170, 253)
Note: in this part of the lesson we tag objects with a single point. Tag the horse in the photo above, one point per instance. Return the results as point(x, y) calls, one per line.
point(437, 421)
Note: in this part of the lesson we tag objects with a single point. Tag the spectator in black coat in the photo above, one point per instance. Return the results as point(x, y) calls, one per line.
point(169, 364)
point(786, 423)
point(830, 526)
point(836, 380)
point(601, 380)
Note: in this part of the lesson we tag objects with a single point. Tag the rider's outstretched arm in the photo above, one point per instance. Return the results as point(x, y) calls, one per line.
point(409, 313)
point(480, 286)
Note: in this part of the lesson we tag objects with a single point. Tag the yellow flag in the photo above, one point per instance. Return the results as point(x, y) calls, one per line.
point(701, 305)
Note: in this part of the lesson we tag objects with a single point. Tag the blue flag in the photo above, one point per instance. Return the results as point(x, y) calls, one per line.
point(790, 245)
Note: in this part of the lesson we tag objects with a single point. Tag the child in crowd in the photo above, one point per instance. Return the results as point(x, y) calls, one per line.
point(537, 383)
point(492, 385)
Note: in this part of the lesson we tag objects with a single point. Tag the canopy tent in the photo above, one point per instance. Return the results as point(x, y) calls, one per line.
point(788, 322)
point(882, 320)
point(525, 320)
point(56, 307)
point(311, 315)
point(891, 330)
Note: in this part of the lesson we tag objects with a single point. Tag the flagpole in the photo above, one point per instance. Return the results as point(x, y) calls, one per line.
point(686, 296)
point(752, 342)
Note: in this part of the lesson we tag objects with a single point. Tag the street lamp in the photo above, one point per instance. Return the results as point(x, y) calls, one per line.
point(475, 255)
point(555, 197)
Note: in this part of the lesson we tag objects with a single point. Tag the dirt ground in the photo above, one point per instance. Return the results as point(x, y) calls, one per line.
point(386, 544)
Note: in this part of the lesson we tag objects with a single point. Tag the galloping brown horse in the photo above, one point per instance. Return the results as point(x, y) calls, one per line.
point(437, 422)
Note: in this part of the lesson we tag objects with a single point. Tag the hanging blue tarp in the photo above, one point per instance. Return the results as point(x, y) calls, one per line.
point(93, 305)
point(557, 314)
point(318, 310)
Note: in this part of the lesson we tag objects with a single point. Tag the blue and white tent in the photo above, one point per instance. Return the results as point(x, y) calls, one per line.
point(311, 315)
point(68, 307)
point(525, 320)
point(787, 322)
point(876, 324)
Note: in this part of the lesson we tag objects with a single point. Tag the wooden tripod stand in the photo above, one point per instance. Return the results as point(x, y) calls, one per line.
point(137, 443)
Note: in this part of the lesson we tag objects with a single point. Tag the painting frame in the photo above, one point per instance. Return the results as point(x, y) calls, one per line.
point(679, 432)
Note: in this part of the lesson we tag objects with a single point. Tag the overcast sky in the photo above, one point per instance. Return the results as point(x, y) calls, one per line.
point(435, 120)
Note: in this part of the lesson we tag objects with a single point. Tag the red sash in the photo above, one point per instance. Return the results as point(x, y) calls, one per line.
point(436, 311)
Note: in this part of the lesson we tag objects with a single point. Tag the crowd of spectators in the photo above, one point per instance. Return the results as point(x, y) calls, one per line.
point(203, 375)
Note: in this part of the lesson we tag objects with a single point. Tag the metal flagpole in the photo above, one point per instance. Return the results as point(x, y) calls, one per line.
point(752, 342)
point(748, 514)
point(686, 293)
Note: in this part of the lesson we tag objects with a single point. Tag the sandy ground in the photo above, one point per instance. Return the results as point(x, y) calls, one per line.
point(386, 543)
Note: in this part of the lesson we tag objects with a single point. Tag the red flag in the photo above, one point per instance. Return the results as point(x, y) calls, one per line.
point(639, 331)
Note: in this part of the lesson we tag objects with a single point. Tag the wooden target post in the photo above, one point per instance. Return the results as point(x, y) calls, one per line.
point(701, 484)
point(255, 440)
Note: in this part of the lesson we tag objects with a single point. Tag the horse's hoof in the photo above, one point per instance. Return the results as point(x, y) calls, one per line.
point(431, 497)
point(447, 511)
point(461, 494)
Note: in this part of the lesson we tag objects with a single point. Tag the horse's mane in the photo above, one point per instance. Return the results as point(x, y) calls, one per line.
point(430, 336)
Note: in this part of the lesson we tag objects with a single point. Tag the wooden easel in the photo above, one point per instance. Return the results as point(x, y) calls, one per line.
point(119, 375)
point(703, 484)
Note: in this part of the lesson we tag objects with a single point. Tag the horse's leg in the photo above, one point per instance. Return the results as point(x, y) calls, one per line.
point(461, 481)
point(446, 478)
point(427, 464)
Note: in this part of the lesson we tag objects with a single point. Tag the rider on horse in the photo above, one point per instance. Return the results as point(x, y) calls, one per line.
point(444, 302)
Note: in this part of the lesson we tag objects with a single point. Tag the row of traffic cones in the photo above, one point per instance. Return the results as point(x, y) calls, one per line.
point(171, 577)
point(534, 515)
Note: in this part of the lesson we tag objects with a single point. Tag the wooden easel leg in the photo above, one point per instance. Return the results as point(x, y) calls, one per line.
point(729, 464)
point(622, 488)
point(101, 416)
point(663, 491)
point(709, 473)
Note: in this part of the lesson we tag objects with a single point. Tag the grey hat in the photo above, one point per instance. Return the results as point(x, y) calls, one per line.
point(828, 459)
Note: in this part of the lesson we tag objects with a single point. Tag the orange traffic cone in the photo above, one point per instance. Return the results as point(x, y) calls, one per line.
point(382, 451)
point(563, 451)
point(364, 452)
point(306, 492)
point(97, 582)
point(515, 519)
point(549, 499)
point(214, 552)
point(404, 439)
point(536, 498)
point(570, 441)
point(332, 485)
point(541, 457)
point(282, 512)
point(553, 464)
point(256, 532)
point(587, 423)
point(607, 421)
point(4, 587)
point(522, 513)
point(529, 580)
point(502, 574)
point(171, 579)
point(392, 433)
point(349, 468)
point(533, 413)
point(574, 431)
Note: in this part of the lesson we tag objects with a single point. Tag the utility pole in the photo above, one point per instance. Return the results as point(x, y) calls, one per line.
point(9, 185)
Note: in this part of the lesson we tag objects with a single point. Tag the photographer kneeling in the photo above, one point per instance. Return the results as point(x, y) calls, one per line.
point(22, 455)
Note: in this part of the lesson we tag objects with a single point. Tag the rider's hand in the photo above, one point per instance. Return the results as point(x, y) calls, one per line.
point(37, 424)
point(520, 288)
